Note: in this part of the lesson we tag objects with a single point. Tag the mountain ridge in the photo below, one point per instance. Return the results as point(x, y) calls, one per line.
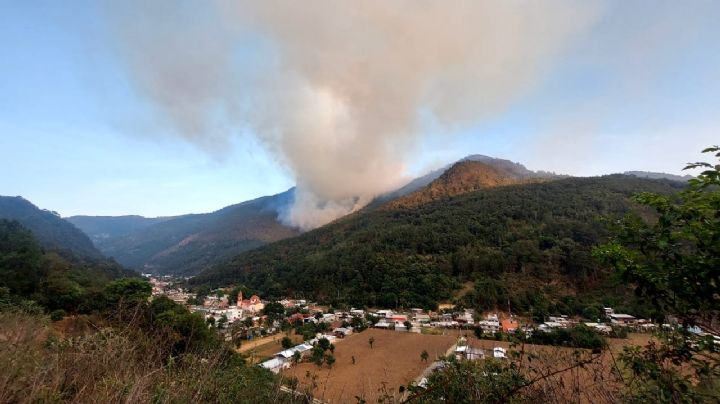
point(51, 231)
point(185, 244)
point(510, 238)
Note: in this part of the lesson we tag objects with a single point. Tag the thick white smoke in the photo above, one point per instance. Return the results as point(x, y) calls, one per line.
point(336, 89)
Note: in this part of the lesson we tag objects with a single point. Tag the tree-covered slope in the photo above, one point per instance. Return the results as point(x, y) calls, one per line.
point(50, 230)
point(517, 242)
point(56, 279)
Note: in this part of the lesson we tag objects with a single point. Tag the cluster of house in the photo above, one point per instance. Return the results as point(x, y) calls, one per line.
point(163, 285)
point(219, 308)
point(284, 359)
point(612, 320)
point(467, 352)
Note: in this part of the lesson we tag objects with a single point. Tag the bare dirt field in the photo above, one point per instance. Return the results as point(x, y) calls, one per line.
point(393, 360)
point(596, 382)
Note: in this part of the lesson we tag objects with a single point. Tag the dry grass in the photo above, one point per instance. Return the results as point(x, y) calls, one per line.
point(116, 366)
point(393, 361)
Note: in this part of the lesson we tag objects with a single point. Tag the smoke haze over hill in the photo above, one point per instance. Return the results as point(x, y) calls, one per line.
point(339, 92)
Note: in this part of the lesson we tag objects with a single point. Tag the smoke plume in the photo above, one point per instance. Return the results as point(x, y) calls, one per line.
point(338, 90)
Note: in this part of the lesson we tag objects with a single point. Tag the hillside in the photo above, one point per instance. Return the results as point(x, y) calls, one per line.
point(100, 229)
point(185, 245)
point(526, 244)
point(51, 231)
point(515, 170)
point(463, 177)
point(56, 279)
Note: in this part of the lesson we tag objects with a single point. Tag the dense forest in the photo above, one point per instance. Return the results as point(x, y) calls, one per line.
point(528, 245)
point(54, 279)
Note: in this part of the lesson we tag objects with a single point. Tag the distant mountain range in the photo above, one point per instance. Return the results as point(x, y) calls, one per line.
point(659, 176)
point(187, 244)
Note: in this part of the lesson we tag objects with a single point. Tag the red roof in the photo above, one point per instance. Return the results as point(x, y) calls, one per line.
point(509, 325)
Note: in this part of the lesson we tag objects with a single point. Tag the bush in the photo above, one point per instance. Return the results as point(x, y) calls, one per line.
point(57, 315)
point(579, 336)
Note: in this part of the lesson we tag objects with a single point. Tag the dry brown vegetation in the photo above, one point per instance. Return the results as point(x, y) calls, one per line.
point(393, 361)
point(116, 365)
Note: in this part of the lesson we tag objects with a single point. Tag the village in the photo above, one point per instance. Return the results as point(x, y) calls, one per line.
point(262, 330)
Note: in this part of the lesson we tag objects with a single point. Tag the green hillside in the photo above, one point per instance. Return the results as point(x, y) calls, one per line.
point(54, 279)
point(51, 231)
point(527, 244)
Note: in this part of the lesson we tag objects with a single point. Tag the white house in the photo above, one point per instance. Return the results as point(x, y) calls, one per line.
point(622, 319)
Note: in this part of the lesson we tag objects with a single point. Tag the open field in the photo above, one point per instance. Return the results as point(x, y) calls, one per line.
point(393, 360)
point(260, 349)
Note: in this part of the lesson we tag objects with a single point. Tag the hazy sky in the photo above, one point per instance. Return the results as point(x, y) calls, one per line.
point(622, 85)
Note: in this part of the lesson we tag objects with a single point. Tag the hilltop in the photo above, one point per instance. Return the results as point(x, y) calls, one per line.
point(462, 177)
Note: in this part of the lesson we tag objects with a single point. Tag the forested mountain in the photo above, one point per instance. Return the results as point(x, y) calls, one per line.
point(50, 230)
point(56, 279)
point(462, 177)
point(104, 228)
point(528, 245)
point(187, 244)
point(516, 170)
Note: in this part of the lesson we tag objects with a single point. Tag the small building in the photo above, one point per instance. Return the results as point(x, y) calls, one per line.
point(401, 318)
point(469, 353)
point(421, 317)
point(600, 327)
point(489, 326)
point(342, 332)
point(622, 319)
point(499, 353)
point(275, 365)
point(383, 324)
point(509, 325)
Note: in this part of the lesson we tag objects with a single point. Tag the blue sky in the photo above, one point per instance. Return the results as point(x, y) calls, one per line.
point(639, 91)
